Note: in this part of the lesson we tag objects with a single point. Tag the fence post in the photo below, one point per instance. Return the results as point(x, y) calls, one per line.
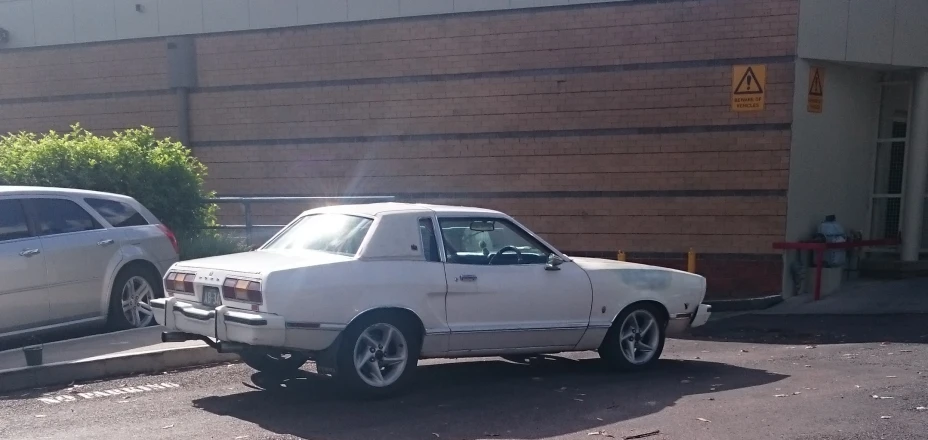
point(249, 224)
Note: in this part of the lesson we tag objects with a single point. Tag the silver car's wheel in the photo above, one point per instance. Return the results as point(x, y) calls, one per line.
point(136, 298)
point(130, 297)
point(639, 336)
point(380, 355)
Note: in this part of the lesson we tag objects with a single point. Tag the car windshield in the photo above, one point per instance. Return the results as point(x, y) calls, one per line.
point(333, 233)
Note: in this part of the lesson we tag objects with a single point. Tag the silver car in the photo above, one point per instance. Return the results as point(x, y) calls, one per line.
point(78, 258)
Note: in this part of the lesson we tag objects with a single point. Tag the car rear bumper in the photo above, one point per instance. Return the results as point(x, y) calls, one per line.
point(244, 327)
point(679, 324)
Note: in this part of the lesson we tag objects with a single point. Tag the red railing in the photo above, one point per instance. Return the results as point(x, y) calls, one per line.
point(819, 248)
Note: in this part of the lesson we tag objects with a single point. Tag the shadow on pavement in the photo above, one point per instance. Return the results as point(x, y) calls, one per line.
point(815, 329)
point(465, 400)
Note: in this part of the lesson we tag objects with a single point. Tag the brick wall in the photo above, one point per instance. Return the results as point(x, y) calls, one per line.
point(603, 127)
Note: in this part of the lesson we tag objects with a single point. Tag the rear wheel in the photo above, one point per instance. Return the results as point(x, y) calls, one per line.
point(379, 354)
point(277, 364)
point(636, 339)
point(130, 298)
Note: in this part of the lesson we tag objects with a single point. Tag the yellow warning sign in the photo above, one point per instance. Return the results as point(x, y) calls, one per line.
point(748, 88)
point(816, 90)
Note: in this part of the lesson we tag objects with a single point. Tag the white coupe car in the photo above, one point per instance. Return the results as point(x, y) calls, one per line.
point(367, 290)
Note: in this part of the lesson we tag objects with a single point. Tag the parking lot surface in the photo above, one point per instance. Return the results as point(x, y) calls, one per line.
point(743, 378)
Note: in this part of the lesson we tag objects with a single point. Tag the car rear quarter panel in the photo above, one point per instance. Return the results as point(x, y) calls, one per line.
point(334, 294)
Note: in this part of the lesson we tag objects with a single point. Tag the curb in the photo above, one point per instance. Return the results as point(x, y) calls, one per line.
point(155, 361)
point(741, 305)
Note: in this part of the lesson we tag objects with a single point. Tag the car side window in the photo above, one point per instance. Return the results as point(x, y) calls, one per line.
point(490, 241)
point(429, 242)
point(13, 224)
point(118, 214)
point(59, 216)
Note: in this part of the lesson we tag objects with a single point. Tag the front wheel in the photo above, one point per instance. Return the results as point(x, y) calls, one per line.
point(274, 364)
point(635, 340)
point(378, 354)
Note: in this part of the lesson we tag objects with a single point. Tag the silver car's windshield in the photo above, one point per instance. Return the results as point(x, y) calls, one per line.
point(333, 233)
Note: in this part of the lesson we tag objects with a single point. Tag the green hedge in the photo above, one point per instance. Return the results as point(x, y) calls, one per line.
point(159, 173)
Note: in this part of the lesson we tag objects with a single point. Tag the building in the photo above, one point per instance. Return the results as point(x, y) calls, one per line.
point(644, 126)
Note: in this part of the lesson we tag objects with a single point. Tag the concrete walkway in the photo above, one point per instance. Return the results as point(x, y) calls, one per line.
point(94, 347)
point(860, 297)
point(106, 355)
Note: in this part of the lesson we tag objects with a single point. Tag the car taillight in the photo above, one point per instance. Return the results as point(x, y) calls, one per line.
point(242, 290)
point(180, 282)
point(171, 237)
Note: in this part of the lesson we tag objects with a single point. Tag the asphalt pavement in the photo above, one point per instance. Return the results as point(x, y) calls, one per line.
point(747, 377)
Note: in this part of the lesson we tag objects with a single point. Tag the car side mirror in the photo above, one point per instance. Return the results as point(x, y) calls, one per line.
point(553, 262)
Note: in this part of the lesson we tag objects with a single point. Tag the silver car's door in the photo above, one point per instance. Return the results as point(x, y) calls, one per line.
point(78, 251)
point(23, 295)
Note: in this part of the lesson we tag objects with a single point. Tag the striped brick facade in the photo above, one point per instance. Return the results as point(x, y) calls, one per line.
point(603, 127)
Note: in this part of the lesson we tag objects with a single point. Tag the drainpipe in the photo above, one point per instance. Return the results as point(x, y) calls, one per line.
point(182, 104)
point(182, 76)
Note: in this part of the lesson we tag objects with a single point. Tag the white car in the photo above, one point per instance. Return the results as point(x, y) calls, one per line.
point(78, 258)
point(368, 290)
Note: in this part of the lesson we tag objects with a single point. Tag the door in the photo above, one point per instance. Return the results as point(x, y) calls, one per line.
point(78, 253)
point(500, 295)
point(23, 297)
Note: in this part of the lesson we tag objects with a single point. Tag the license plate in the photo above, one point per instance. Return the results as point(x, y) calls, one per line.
point(210, 296)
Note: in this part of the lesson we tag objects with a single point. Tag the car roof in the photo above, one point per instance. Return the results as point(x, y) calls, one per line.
point(377, 209)
point(45, 191)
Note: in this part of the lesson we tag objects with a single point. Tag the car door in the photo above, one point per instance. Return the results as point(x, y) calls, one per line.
point(78, 254)
point(500, 295)
point(23, 296)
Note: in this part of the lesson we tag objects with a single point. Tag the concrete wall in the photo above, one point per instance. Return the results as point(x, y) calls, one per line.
point(891, 32)
point(831, 159)
point(50, 22)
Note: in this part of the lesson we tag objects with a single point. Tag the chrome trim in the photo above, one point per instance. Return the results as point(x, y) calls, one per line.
point(682, 316)
point(437, 332)
point(314, 326)
point(513, 330)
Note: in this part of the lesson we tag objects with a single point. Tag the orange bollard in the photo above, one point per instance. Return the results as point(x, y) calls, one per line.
point(691, 261)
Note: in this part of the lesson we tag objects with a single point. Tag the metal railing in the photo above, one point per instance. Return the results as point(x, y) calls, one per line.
point(246, 202)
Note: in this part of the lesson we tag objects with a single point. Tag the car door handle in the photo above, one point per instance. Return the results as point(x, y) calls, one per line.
point(29, 252)
point(468, 278)
point(106, 242)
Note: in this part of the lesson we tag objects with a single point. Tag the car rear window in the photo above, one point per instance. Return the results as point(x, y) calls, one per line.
point(333, 233)
point(13, 224)
point(118, 214)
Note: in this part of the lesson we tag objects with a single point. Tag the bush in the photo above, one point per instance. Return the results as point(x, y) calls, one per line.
point(209, 244)
point(159, 173)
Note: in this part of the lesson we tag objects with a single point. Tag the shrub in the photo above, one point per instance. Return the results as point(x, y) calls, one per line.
point(159, 173)
point(209, 244)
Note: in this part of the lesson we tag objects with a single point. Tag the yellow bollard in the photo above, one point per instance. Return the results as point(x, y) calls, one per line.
point(691, 261)
point(621, 256)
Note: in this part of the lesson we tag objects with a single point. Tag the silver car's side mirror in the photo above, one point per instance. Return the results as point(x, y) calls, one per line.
point(553, 262)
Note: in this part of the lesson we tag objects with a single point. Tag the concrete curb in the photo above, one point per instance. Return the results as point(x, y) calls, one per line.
point(740, 305)
point(147, 362)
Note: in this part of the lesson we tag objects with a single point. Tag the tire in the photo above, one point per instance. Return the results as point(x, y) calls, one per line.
point(278, 365)
point(373, 332)
point(119, 318)
point(641, 349)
